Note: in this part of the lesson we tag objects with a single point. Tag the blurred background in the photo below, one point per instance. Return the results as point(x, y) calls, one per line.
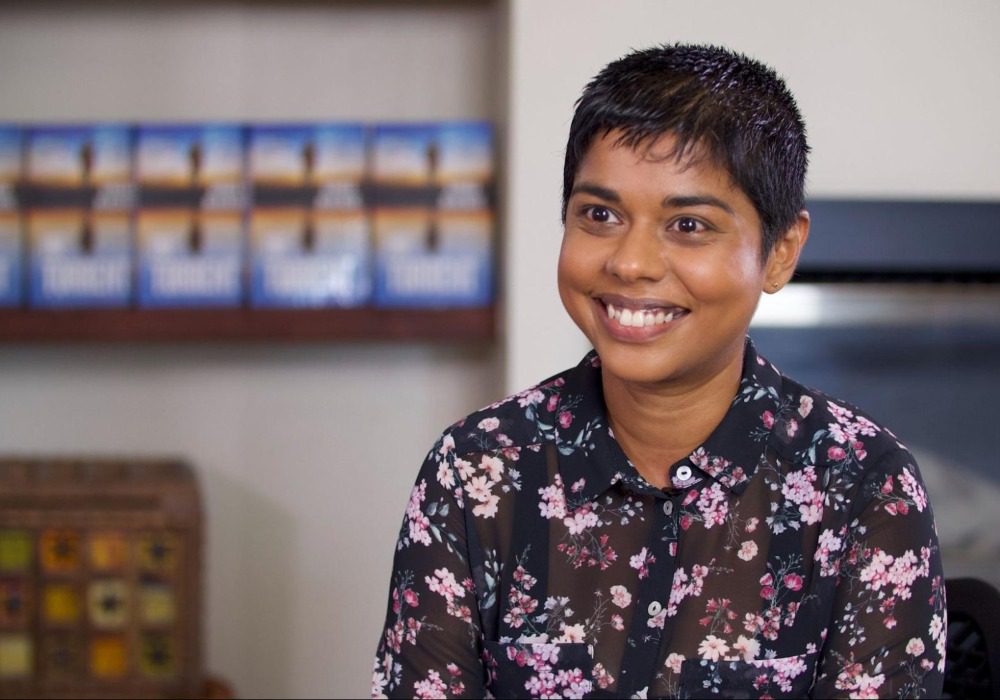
point(305, 452)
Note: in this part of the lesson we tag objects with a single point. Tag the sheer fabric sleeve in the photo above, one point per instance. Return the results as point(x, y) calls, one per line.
point(430, 643)
point(887, 636)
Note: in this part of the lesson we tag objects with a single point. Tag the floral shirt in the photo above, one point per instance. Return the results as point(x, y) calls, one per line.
point(795, 555)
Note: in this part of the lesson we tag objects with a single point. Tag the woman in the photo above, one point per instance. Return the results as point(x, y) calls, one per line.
point(672, 517)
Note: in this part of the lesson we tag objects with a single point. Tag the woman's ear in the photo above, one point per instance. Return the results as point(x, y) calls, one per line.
point(780, 265)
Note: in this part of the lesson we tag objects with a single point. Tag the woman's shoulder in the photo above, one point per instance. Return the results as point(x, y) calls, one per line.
point(832, 433)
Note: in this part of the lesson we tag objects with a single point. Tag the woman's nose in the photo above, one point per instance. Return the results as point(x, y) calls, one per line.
point(638, 256)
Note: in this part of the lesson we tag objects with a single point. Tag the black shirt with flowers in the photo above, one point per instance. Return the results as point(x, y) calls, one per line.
point(795, 555)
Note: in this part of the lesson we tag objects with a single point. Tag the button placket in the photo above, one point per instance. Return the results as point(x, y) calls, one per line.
point(641, 665)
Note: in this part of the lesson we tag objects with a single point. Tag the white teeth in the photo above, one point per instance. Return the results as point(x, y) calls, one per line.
point(641, 318)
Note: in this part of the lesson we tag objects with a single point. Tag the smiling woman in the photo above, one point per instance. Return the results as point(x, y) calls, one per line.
point(673, 517)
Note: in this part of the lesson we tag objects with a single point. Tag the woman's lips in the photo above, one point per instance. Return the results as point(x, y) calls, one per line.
point(638, 320)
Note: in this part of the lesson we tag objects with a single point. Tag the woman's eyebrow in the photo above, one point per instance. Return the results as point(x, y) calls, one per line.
point(597, 191)
point(695, 200)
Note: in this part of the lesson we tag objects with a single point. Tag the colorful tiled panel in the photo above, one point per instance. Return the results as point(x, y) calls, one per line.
point(62, 656)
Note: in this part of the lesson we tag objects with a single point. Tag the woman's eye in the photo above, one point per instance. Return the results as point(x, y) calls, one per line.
point(686, 224)
point(600, 215)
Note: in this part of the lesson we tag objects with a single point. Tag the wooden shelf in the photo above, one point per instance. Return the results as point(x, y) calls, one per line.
point(280, 325)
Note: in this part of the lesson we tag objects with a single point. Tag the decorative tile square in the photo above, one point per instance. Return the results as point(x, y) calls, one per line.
point(107, 603)
point(60, 550)
point(158, 552)
point(62, 656)
point(60, 604)
point(108, 657)
point(108, 551)
point(157, 655)
point(16, 658)
point(15, 551)
point(14, 603)
point(157, 605)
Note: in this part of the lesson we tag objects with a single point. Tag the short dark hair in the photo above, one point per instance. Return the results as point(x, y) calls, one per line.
point(708, 97)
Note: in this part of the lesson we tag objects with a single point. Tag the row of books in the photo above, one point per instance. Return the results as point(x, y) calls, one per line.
point(269, 215)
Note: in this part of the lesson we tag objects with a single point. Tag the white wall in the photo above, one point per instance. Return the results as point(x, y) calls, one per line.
point(900, 98)
point(305, 454)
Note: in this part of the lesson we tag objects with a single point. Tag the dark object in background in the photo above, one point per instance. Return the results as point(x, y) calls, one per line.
point(972, 669)
point(100, 579)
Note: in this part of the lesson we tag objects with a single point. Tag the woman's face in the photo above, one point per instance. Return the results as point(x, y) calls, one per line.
point(661, 263)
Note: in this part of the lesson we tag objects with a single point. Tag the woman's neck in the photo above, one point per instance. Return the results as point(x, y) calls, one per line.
point(658, 425)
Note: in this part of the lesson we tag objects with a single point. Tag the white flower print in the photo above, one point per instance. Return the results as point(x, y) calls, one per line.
point(915, 647)
point(488, 425)
point(748, 550)
point(674, 662)
point(620, 596)
point(712, 648)
point(746, 647)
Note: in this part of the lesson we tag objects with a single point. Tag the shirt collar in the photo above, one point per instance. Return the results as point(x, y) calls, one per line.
point(729, 456)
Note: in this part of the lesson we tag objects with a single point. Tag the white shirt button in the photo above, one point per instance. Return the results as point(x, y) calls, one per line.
point(683, 473)
point(654, 608)
point(668, 507)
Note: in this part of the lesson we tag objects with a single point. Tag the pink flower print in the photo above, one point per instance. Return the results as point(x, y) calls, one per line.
point(492, 467)
point(859, 449)
point(791, 427)
point(913, 489)
point(430, 688)
point(805, 406)
point(617, 622)
point(488, 425)
point(712, 648)
point(447, 445)
point(620, 596)
point(793, 582)
point(553, 403)
point(752, 524)
point(641, 562)
point(748, 550)
point(479, 488)
point(604, 679)
point(464, 468)
point(411, 597)
point(686, 521)
point(419, 524)
point(445, 476)
point(767, 418)
point(915, 647)
point(747, 648)
point(488, 508)
point(530, 398)
point(674, 662)
point(836, 453)
point(553, 502)
point(571, 634)
point(713, 505)
point(565, 419)
point(657, 620)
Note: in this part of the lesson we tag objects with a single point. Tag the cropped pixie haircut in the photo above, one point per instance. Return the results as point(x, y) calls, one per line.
point(716, 103)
